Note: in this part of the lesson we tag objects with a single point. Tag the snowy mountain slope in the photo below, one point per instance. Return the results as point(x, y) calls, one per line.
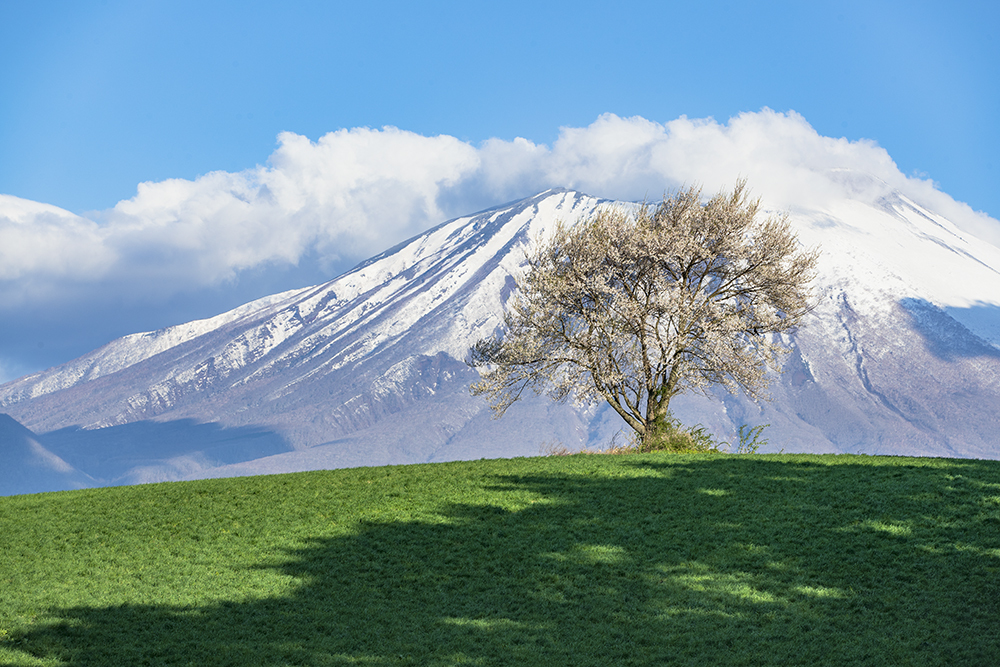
point(317, 364)
point(900, 356)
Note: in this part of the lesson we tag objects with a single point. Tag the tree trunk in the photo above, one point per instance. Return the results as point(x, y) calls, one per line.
point(658, 427)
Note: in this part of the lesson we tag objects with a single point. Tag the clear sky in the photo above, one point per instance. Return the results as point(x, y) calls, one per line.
point(98, 97)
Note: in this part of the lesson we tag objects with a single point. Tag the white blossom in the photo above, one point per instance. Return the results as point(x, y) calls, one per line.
point(638, 304)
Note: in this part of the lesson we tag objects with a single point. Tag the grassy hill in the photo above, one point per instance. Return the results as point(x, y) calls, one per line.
point(578, 560)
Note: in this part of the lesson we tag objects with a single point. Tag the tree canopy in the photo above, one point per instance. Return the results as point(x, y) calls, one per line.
point(640, 303)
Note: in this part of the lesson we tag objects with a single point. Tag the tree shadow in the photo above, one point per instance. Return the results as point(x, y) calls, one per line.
point(696, 561)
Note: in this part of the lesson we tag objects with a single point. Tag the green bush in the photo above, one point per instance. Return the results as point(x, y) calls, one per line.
point(750, 440)
point(673, 437)
point(670, 436)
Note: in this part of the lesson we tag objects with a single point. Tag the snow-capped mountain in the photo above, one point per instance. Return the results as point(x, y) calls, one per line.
point(900, 356)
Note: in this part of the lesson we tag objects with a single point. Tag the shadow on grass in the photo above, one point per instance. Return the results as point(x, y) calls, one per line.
point(709, 561)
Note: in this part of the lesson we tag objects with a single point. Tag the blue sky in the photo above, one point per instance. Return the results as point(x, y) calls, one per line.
point(99, 97)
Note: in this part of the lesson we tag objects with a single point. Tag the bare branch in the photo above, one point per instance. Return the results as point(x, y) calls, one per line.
point(636, 305)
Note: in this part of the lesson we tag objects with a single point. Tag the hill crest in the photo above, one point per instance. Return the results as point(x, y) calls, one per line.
point(899, 357)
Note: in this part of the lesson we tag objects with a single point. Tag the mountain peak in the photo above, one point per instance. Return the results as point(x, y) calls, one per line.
point(900, 355)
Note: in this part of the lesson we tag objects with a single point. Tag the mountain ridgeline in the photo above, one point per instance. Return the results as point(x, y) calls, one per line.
point(900, 356)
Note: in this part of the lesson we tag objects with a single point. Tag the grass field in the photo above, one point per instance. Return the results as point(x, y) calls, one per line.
point(570, 560)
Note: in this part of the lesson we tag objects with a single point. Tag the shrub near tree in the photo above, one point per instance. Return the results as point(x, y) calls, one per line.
point(638, 304)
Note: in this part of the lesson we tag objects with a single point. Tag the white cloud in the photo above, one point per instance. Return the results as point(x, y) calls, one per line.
point(6, 373)
point(347, 194)
point(356, 192)
point(38, 239)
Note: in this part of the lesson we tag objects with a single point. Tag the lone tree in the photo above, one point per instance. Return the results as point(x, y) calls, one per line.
point(636, 305)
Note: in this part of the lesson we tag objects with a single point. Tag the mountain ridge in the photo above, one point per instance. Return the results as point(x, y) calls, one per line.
point(368, 368)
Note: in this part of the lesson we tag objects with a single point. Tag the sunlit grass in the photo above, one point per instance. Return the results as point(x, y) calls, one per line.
point(571, 560)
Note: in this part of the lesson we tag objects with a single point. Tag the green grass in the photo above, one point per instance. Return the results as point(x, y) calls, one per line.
point(573, 560)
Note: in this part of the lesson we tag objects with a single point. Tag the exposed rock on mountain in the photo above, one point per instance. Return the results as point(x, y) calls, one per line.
point(900, 356)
